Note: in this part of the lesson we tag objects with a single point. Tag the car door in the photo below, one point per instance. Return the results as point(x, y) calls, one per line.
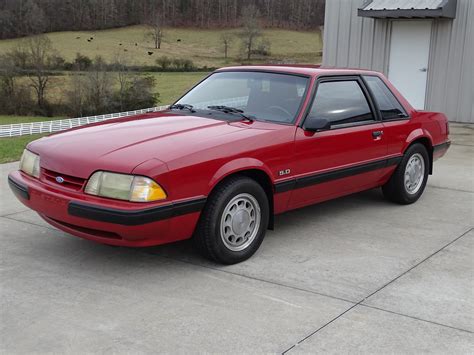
point(348, 156)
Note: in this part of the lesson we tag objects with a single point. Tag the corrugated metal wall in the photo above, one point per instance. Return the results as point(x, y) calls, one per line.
point(359, 42)
point(451, 67)
point(352, 41)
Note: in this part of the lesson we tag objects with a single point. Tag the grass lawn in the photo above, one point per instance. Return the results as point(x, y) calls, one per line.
point(172, 86)
point(25, 119)
point(203, 47)
point(11, 148)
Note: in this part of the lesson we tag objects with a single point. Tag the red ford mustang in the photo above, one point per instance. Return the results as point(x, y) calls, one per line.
point(245, 144)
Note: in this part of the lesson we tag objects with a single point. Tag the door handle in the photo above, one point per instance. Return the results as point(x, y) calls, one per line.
point(377, 134)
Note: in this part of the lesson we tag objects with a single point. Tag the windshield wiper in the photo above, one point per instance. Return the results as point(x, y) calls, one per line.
point(182, 107)
point(231, 110)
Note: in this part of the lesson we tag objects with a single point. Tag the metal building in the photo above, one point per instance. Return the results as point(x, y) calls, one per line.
point(425, 47)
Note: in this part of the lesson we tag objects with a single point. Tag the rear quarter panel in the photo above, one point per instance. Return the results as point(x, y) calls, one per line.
point(402, 133)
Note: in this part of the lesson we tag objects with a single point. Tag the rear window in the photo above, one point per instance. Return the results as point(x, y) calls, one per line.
point(388, 104)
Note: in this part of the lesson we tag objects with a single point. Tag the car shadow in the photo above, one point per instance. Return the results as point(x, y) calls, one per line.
point(184, 251)
point(284, 223)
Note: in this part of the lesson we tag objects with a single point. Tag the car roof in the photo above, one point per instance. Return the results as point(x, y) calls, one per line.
point(299, 69)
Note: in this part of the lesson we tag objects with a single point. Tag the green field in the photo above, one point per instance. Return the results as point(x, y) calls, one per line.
point(25, 119)
point(11, 148)
point(172, 86)
point(203, 47)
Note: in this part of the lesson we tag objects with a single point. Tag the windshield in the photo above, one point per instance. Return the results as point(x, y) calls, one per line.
point(262, 96)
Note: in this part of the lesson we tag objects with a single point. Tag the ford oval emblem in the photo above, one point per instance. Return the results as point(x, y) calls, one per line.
point(59, 179)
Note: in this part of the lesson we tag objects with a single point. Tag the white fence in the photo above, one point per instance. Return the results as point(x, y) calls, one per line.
point(22, 129)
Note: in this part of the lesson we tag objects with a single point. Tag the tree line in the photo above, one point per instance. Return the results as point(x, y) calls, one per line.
point(26, 17)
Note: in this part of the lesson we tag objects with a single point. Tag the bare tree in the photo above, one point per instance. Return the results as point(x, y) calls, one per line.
point(39, 50)
point(8, 74)
point(226, 39)
point(251, 30)
point(155, 31)
point(98, 83)
point(76, 95)
point(15, 95)
point(123, 76)
point(101, 91)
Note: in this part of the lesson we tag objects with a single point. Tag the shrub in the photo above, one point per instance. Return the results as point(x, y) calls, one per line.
point(183, 64)
point(56, 62)
point(15, 96)
point(263, 48)
point(164, 62)
point(136, 93)
point(82, 62)
point(18, 101)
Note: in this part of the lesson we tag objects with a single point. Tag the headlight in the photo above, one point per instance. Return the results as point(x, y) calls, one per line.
point(30, 163)
point(124, 187)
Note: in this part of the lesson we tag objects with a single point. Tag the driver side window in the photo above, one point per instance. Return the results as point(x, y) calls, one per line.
point(342, 103)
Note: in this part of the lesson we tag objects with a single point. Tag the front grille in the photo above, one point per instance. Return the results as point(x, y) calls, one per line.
point(70, 182)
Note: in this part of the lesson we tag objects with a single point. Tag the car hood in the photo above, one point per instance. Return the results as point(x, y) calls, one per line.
point(121, 145)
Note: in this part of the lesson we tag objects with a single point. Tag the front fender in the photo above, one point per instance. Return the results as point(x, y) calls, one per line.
point(240, 164)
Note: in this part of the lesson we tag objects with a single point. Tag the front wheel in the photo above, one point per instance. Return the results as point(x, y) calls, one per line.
point(233, 223)
point(409, 179)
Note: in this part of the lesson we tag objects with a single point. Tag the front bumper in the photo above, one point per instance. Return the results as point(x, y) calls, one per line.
point(107, 221)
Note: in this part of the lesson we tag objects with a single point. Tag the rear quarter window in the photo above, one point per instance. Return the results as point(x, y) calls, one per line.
point(388, 104)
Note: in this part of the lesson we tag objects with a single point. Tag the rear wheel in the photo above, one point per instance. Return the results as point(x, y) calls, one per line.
point(234, 221)
point(409, 179)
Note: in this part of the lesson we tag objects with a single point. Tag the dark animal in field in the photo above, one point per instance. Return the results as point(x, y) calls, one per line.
point(89, 40)
point(150, 53)
point(179, 40)
point(136, 44)
point(120, 44)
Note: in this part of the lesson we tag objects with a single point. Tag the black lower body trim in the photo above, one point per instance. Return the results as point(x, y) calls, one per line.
point(285, 186)
point(136, 217)
point(19, 189)
point(306, 181)
point(441, 147)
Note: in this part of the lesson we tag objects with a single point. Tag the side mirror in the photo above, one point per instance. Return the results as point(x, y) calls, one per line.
point(317, 124)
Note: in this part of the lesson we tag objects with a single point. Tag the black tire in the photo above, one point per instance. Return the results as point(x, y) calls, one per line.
point(208, 238)
point(395, 189)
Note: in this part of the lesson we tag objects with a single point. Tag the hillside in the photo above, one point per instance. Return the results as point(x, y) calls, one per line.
point(203, 47)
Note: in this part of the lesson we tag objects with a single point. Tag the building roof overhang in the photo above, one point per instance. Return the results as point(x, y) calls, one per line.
point(408, 9)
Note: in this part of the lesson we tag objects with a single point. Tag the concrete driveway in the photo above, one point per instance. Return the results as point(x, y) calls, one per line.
point(357, 274)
